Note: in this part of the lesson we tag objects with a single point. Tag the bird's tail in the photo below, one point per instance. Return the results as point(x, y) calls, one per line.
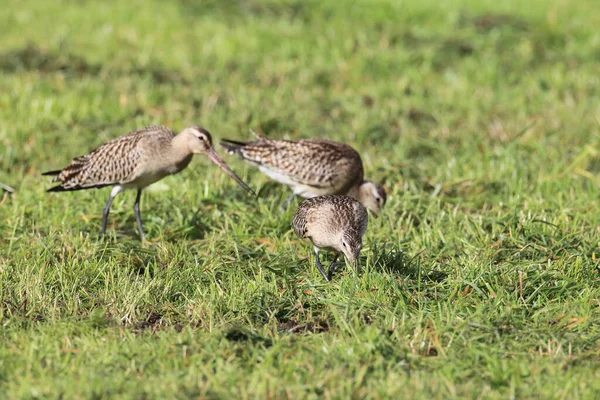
point(59, 188)
point(232, 146)
point(52, 173)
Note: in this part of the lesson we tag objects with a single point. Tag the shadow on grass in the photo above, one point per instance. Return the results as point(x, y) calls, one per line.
point(33, 58)
point(129, 254)
point(484, 23)
point(303, 328)
point(242, 334)
point(395, 262)
point(193, 228)
point(294, 313)
point(390, 260)
point(239, 8)
point(271, 189)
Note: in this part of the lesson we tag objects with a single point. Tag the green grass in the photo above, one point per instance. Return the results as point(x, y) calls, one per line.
point(480, 280)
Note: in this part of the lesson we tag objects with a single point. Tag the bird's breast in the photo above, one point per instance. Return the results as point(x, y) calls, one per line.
point(147, 179)
point(180, 165)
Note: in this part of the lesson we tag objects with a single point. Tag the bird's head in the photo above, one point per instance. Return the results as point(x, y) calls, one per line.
point(372, 196)
point(350, 245)
point(199, 141)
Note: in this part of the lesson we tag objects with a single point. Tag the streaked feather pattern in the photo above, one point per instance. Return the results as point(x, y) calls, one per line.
point(114, 162)
point(324, 215)
point(318, 163)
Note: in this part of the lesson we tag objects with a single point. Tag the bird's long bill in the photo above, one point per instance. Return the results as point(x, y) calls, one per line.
point(352, 260)
point(214, 157)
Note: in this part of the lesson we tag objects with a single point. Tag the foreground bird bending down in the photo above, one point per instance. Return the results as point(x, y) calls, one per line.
point(136, 160)
point(335, 223)
point(311, 167)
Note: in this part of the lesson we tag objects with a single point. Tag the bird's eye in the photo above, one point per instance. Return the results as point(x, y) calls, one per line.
point(344, 244)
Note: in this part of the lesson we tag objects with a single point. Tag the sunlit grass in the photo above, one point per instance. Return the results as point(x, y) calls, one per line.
point(480, 280)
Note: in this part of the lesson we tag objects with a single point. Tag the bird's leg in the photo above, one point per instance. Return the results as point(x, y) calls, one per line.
point(332, 267)
point(106, 211)
point(319, 265)
point(136, 211)
point(287, 201)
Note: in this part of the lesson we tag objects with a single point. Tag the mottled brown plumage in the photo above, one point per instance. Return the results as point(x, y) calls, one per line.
point(335, 223)
point(137, 160)
point(311, 167)
point(123, 161)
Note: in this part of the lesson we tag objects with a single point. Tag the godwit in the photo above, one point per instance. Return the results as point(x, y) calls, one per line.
point(311, 167)
point(335, 223)
point(136, 160)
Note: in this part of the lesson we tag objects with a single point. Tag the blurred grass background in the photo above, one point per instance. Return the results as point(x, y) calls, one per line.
point(480, 280)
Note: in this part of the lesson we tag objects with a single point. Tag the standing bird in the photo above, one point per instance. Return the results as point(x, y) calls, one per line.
point(136, 160)
point(335, 223)
point(311, 167)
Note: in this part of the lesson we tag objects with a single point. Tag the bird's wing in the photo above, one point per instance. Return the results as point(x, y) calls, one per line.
point(362, 218)
point(304, 215)
point(318, 163)
point(299, 223)
point(349, 212)
point(113, 162)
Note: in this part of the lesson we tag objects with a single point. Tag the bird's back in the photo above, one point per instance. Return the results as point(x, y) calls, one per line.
point(114, 162)
point(317, 163)
point(328, 214)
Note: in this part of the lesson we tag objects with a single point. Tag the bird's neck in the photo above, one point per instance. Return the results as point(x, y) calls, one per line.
point(179, 154)
point(355, 192)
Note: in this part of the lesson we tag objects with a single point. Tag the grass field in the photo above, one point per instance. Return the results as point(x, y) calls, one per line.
point(480, 280)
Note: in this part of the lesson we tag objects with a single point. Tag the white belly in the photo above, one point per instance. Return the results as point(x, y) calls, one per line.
point(276, 176)
point(299, 189)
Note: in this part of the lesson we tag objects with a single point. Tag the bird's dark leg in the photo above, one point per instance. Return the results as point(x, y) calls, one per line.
point(105, 212)
point(136, 211)
point(332, 267)
point(287, 201)
point(319, 265)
